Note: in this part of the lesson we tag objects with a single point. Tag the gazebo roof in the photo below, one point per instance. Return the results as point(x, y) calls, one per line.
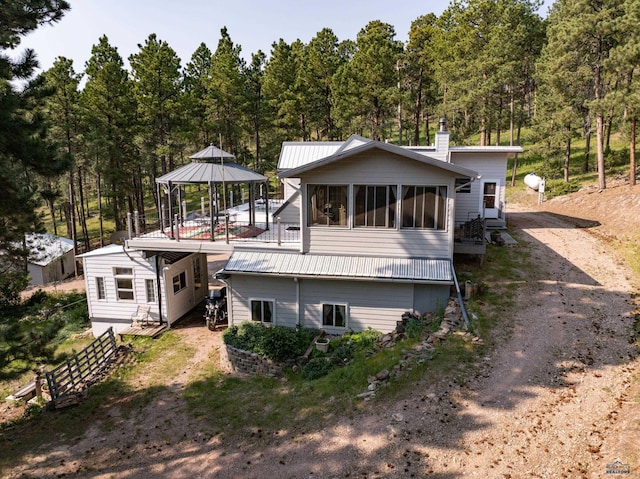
point(197, 172)
point(211, 152)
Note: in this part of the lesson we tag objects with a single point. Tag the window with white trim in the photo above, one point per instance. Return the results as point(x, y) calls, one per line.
point(100, 290)
point(334, 315)
point(124, 283)
point(375, 206)
point(424, 207)
point(463, 185)
point(150, 289)
point(262, 310)
point(179, 282)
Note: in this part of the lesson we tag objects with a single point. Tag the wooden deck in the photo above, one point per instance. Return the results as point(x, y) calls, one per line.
point(151, 330)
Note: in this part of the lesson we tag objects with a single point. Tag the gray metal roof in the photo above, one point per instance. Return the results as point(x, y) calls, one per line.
point(359, 146)
point(200, 172)
point(297, 153)
point(211, 152)
point(341, 266)
point(45, 248)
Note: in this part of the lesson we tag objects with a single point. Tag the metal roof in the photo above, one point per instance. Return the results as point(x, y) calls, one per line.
point(211, 152)
point(358, 146)
point(201, 172)
point(45, 248)
point(297, 153)
point(433, 270)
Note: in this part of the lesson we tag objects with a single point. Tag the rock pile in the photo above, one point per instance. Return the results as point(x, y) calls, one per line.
point(421, 352)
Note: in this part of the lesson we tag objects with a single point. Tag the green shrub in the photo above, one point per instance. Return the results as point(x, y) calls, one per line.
point(316, 368)
point(274, 342)
point(415, 328)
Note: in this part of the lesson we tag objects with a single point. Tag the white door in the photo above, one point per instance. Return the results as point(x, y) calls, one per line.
point(490, 200)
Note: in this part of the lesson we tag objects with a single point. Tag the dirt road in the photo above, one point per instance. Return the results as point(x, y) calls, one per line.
point(557, 399)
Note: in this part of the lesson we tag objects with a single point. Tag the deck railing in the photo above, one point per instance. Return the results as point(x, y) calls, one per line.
point(224, 228)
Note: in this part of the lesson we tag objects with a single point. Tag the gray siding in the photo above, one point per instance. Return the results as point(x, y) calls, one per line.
point(370, 304)
point(492, 166)
point(282, 290)
point(429, 298)
point(383, 169)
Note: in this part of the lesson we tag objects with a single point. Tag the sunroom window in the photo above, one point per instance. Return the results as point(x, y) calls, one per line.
point(424, 207)
point(328, 205)
point(375, 206)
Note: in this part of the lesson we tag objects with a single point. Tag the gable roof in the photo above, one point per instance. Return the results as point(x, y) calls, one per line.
point(45, 248)
point(355, 145)
point(297, 153)
point(425, 270)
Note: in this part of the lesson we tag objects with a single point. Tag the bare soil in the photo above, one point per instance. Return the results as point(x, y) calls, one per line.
point(558, 397)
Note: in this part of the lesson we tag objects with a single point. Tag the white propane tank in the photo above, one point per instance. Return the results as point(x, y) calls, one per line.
point(532, 181)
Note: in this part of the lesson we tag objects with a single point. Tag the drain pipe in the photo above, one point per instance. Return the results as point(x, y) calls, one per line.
point(463, 309)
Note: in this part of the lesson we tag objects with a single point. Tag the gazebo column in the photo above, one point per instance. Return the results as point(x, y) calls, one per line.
point(252, 206)
point(266, 203)
point(212, 211)
point(171, 209)
point(160, 196)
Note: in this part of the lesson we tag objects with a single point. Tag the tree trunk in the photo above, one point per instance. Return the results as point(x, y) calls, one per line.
point(602, 181)
point(632, 151)
point(81, 212)
point(99, 195)
point(515, 158)
point(587, 146)
point(567, 159)
point(418, 110)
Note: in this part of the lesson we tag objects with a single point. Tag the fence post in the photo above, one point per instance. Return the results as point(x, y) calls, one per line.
point(226, 226)
point(175, 220)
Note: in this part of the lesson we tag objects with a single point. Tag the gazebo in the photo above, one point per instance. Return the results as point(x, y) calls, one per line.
point(217, 169)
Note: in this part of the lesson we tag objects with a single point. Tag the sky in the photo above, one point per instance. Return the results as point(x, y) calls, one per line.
point(185, 24)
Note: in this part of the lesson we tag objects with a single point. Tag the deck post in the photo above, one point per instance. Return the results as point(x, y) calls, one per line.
point(136, 222)
point(226, 225)
point(129, 226)
point(175, 220)
point(266, 204)
point(279, 233)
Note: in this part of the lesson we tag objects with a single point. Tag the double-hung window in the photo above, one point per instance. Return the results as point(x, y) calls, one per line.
point(424, 207)
point(375, 206)
point(100, 290)
point(334, 315)
point(262, 310)
point(124, 283)
point(179, 282)
point(328, 205)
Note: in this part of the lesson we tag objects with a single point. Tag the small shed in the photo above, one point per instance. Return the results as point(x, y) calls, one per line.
point(51, 258)
point(122, 281)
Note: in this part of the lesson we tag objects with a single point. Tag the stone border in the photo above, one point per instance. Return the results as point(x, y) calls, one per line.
point(236, 360)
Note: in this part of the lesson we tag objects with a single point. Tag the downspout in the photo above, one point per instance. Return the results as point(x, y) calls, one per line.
point(463, 309)
point(159, 289)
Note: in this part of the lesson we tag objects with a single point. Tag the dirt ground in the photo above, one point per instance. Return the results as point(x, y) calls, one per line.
point(559, 396)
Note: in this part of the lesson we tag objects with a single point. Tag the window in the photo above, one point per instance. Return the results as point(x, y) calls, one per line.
point(100, 291)
point(197, 273)
point(334, 315)
point(463, 185)
point(424, 207)
point(179, 282)
point(149, 286)
point(375, 206)
point(328, 205)
point(262, 310)
point(124, 283)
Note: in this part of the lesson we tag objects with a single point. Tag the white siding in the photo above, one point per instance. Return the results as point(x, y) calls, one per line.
point(117, 313)
point(491, 166)
point(383, 169)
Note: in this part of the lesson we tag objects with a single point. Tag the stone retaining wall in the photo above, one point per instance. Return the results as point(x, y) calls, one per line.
point(240, 361)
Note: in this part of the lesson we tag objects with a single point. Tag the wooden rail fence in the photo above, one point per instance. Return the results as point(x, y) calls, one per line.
point(70, 379)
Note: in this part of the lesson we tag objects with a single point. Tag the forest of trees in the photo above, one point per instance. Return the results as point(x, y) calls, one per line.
point(101, 133)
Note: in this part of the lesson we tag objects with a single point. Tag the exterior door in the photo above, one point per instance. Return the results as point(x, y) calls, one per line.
point(490, 200)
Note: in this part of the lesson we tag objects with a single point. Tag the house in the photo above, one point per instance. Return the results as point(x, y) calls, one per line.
point(366, 232)
point(51, 258)
point(121, 282)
